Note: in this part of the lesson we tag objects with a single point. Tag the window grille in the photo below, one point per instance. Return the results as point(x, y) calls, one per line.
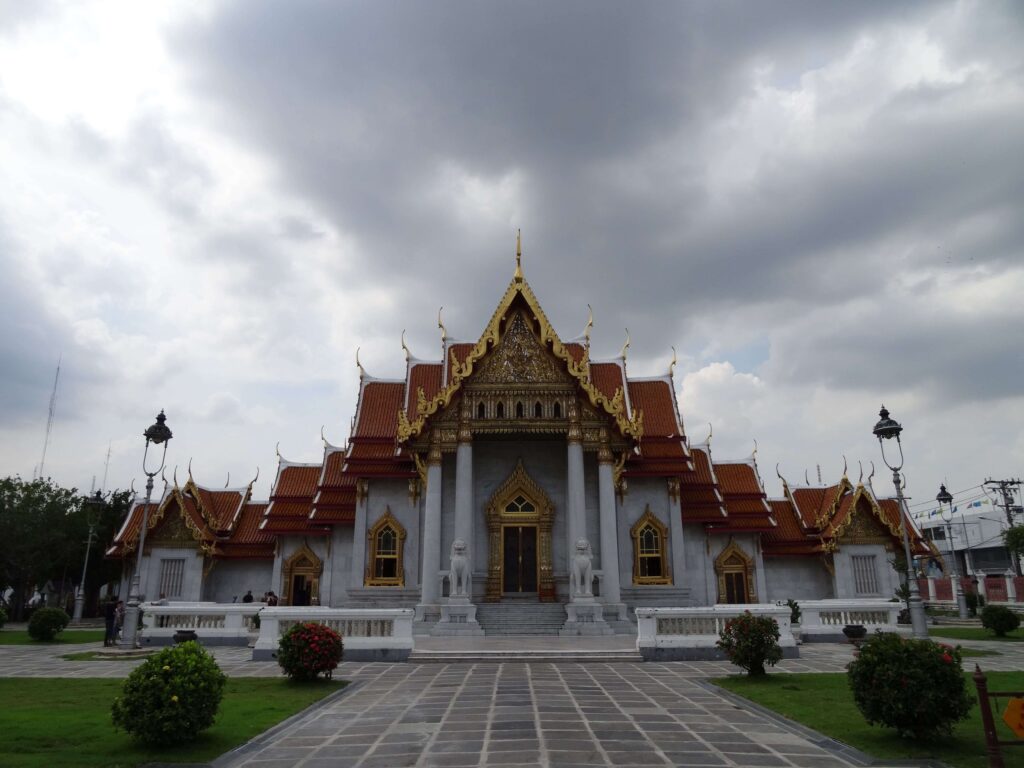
point(865, 576)
point(172, 577)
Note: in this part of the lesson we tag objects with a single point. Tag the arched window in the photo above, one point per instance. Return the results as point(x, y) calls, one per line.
point(538, 410)
point(500, 411)
point(650, 550)
point(519, 410)
point(558, 410)
point(480, 410)
point(387, 541)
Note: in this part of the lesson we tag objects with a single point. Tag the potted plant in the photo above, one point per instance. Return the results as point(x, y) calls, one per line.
point(855, 632)
point(794, 620)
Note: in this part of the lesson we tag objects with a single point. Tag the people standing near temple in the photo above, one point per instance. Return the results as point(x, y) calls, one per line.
point(110, 618)
point(248, 597)
point(271, 598)
point(118, 619)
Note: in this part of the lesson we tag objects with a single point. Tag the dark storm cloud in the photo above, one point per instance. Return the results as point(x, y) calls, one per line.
point(599, 113)
point(31, 343)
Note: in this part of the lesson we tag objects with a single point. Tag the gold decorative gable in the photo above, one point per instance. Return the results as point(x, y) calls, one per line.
point(519, 290)
point(519, 359)
point(172, 532)
point(866, 524)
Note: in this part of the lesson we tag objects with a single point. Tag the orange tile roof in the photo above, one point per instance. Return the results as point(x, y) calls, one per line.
point(575, 350)
point(813, 503)
point(379, 404)
point(426, 376)
point(738, 478)
point(607, 377)
point(297, 480)
point(247, 540)
point(657, 401)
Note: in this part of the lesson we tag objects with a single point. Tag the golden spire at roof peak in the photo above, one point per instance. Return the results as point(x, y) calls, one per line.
point(519, 255)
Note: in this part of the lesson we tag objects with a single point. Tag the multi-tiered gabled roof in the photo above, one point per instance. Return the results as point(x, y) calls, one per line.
point(224, 522)
point(815, 519)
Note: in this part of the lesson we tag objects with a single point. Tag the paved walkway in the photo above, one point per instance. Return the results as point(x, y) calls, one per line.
point(513, 713)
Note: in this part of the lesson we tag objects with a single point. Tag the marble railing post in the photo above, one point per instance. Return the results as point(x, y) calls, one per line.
point(609, 532)
point(429, 592)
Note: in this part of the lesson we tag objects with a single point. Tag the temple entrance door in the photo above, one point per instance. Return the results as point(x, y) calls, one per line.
point(735, 587)
point(301, 590)
point(519, 561)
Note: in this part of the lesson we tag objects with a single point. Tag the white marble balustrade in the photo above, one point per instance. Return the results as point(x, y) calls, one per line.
point(825, 619)
point(691, 633)
point(213, 623)
point(371, 634)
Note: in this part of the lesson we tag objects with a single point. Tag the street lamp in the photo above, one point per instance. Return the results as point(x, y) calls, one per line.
point(886, 429)
point(945, 500)
point(157, 434)
point(93, 505)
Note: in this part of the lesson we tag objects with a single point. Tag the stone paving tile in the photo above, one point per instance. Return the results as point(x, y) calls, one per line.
point(515, 714)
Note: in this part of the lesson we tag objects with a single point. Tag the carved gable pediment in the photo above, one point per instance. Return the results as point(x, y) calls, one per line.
point(519, 358)
point(864, 527)
point(171, 531)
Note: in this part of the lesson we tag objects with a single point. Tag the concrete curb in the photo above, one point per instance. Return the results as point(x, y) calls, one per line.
point(830, 745)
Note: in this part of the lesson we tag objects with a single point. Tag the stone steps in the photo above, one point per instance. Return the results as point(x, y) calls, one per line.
point(525, 656)
point(521, 618)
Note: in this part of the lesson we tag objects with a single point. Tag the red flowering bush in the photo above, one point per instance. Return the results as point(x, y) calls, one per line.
point(914, 686)
point(308, 649)
point(750, 642)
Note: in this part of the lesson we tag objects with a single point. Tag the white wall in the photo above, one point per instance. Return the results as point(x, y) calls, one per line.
point(229, 579)
point(799, 578)
point(885, 576)
point(192, 581)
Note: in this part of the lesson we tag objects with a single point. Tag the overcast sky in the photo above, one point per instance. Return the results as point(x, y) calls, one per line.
point(207, 207)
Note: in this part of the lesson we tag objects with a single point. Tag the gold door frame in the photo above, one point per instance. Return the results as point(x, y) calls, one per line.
point(303, 562)
point(519, 482)
point(745, 566)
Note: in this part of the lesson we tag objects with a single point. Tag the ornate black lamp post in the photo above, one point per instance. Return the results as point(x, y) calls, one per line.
point(886, 429)
point(93, 505)
point(945, 500)
point(159, 433)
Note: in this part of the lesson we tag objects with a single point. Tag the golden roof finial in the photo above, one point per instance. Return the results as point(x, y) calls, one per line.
point(405, 347)
point(444, 331)
point(227, 482)
point(590, 324)
point(672, 365)
point(519, 255)
point(625, 346)
point(362, 371)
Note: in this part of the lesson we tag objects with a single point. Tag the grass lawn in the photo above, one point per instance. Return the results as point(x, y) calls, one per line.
point(21, 637)
point(824, 702)
point(975, 633)
point(66, 722)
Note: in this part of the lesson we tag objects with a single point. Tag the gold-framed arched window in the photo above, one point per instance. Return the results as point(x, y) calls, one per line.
point(735, 570)
point(387, 541)
point(650, 550)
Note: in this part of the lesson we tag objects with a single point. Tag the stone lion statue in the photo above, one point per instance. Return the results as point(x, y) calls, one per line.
point(458, 574)
point(582, 573)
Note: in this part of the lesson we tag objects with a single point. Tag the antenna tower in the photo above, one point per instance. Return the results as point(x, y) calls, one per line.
point(49, 419)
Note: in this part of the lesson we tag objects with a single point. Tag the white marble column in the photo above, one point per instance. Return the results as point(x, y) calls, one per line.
point(429, 593)
point(464, 490)
point(358, 538)
point(576, 516)
point(610, 590)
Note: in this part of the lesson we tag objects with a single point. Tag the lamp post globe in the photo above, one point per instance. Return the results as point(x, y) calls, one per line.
point(945, 499)
point(157, 433)
point(885, 430)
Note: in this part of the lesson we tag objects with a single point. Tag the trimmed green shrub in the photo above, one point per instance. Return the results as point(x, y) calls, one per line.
point(172, 697)
point(750, 642)
point(3, 617)
point(46, 623)
point(999, 619)
point(308, 649)
point(914, 686)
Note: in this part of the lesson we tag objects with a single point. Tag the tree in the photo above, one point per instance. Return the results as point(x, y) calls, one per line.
point(1014, 539)
point(43, 530)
